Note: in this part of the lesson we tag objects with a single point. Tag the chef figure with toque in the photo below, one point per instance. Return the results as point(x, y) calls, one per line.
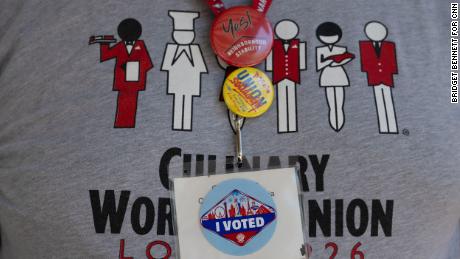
point(184, 63)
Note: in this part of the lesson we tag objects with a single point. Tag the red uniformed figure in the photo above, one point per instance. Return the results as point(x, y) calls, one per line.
point(131, 67)
point(286, 60)
point(378, 60)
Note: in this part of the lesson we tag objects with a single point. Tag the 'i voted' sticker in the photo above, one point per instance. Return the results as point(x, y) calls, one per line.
point(238, 217)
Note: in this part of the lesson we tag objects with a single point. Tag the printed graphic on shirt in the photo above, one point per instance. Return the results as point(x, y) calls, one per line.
point(131, 67)
point(337, 217)
point(330, 59)
point(378, 61)
point(286, 60)
point(122, 212)
point(184, 63)
point(228, 70)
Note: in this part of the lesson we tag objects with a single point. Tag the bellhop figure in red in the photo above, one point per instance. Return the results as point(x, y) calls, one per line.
point(286, 60)
point(131, 67)
point(378, 60)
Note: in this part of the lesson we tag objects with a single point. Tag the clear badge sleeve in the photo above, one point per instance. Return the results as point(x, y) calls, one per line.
point(244, 215)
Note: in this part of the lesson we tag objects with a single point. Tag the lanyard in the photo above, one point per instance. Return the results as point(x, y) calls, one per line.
point(261, 6)
point(243, 37)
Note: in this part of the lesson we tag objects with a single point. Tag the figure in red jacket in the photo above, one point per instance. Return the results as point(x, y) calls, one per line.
point(131, 67)
point(286, 60)
point(378, 60)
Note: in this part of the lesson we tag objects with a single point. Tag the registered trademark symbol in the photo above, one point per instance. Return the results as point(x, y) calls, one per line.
point(406, 132)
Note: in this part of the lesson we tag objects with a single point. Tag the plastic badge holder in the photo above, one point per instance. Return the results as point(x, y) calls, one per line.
point(246, 215)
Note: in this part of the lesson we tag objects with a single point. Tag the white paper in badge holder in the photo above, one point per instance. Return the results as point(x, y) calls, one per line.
point(132, 71)
point(281, 184)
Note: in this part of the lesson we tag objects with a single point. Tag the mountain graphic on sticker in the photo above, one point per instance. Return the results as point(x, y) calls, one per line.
point(238, 217)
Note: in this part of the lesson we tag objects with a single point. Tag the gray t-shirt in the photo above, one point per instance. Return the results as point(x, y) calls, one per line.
point(362, 108)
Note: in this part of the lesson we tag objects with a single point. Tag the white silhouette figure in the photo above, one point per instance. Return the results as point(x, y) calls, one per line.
point(184, 63)
point(333, 76)
point(286, 60)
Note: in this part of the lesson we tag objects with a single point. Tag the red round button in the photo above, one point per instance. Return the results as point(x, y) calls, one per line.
point(241, 36)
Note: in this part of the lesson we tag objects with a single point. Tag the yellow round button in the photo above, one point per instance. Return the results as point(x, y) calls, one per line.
point(248, 92)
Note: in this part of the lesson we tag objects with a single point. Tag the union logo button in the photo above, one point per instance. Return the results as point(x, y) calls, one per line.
point(248, 92)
